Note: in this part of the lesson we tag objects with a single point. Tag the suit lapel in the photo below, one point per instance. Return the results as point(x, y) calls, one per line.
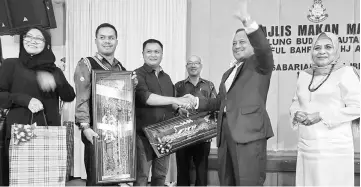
point(228, 72)
point(225, 77)
point(237, 74)
point(241, 72)
point(238, 70)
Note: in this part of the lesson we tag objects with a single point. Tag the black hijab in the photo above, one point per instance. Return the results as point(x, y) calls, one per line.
point(45, 60)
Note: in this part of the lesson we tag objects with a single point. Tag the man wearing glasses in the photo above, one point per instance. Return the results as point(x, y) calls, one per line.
point(106, 42)
point(198, 87)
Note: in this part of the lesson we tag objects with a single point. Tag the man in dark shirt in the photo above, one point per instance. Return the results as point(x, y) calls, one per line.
point(154, 102)
point(196, 86)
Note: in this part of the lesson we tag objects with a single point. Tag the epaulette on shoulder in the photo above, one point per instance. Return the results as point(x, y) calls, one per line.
point(87, 63)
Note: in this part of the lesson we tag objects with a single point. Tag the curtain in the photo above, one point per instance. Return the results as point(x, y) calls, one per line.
point(135, 21)
point(77, 44)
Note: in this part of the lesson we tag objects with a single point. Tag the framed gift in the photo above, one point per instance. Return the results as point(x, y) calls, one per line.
point(171, 135)
point(113, 120)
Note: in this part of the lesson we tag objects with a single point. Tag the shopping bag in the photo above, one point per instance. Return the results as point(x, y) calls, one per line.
point(38, 155)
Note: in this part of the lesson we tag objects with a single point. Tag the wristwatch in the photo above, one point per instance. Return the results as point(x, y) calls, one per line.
point(84, 126)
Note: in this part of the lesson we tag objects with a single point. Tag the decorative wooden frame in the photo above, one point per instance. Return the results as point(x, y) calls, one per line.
point(171, 135)
point(114, 121)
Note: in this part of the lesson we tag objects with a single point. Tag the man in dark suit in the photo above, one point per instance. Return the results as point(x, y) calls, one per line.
point(243, 122)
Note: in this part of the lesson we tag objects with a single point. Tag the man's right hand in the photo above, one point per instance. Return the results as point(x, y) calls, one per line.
point(242, 13)
point(187, 101)
point(89, 134)
point(194, 101)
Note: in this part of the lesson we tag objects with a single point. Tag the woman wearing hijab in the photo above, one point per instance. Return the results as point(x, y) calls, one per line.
point(326, 111)
point(30, 84)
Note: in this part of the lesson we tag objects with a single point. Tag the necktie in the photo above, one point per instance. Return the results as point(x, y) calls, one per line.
point(230, 78)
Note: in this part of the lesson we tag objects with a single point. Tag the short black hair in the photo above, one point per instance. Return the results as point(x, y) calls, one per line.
point(239, 30)
point(106, 25)
point(149, 41)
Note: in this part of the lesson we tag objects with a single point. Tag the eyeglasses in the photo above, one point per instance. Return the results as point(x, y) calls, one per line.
point(193, 63)
point(37, 40)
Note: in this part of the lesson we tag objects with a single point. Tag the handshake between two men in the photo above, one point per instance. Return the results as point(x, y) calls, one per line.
point(186, 103)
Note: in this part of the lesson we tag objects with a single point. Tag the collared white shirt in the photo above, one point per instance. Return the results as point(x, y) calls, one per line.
point(248, 29)
point(231, 77)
